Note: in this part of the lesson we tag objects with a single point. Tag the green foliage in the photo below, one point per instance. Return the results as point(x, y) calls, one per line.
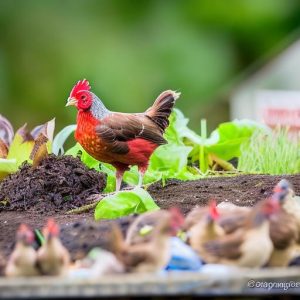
point(230, 135)
point(275, 153)
point(125, 203)
point(196, 46)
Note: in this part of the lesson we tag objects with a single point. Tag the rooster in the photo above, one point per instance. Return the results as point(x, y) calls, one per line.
point(23, 260)
point(120, 139)
point(53, 257)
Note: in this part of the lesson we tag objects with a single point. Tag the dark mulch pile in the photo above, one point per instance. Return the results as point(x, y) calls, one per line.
point(58, 183)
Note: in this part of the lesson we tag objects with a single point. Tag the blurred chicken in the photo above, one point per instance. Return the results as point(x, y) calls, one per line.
point(232, 216)
point(148, 255)
point(205, 230)
point(284, 230)
point(284, 235)
point(143, 227)
point(194, 216)
point(23, 260)
point(248, 246)
point(290, 202)
point(53, 257)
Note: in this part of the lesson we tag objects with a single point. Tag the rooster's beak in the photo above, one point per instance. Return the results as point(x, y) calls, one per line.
point(71, 101)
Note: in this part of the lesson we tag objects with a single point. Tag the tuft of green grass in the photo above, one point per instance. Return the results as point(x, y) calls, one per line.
point(275, 153)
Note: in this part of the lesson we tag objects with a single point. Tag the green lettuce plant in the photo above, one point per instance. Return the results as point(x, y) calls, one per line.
point(124, 203)
point(222, 145)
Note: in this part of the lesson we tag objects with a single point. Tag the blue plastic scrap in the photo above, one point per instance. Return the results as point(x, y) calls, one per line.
point(183, 257)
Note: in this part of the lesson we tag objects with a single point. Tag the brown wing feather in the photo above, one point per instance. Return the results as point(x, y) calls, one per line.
point(227, 246)
point(117, 129)
point(283, 230)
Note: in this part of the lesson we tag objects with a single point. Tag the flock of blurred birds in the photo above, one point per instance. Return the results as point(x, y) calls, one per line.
point(266, 235)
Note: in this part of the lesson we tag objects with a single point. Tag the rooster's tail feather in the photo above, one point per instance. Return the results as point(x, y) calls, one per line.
point(161, 109)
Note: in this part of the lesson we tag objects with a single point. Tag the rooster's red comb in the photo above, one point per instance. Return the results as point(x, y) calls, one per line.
point(81, 85)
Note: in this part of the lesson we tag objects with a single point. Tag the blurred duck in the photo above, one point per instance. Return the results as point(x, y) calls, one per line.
point(207, 229)
point(23, 259)
point(248, 246)
point(53, 257)
point(152, 253)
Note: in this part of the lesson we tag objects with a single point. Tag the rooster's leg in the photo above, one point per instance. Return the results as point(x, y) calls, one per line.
point(119, 177)
point(142, 171)
point(140, 183)
point(120, 169)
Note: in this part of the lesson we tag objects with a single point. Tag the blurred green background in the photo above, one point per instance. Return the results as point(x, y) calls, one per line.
point(130, 51)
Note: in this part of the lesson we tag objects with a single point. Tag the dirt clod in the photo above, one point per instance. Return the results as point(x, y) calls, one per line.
point(57, 184)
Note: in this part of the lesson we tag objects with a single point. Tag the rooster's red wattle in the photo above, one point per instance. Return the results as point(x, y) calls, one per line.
point(121, 139)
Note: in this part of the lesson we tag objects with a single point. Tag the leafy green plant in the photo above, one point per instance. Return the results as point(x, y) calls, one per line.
point(275, 153)
point(216, 150)
point(223, 144)
point(125, 203)
point(23, 145)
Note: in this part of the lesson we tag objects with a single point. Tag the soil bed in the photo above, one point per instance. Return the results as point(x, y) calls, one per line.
point(242, 190)
point(80, 233)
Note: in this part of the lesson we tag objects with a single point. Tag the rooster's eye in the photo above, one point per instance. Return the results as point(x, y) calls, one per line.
point(83, 97)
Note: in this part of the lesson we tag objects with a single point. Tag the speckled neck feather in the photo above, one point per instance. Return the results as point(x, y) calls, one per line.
point(98, 110)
